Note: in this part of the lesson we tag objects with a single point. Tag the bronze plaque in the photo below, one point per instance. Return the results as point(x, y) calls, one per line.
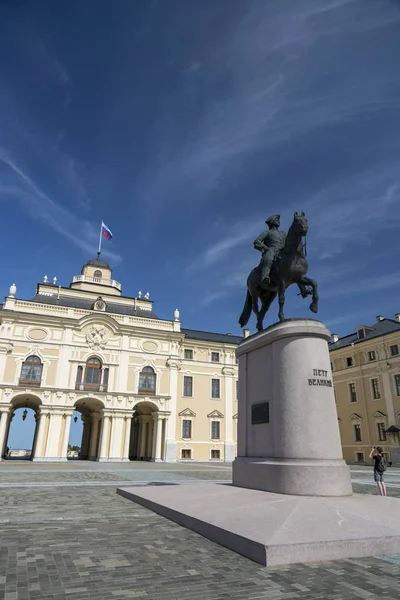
point(260, 413)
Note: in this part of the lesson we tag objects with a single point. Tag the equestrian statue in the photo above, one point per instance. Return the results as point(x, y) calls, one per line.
point(283, 262)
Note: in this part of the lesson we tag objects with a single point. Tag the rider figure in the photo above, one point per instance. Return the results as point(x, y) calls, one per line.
point(270, 243)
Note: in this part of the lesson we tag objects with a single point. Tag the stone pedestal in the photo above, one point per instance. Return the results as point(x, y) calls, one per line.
point(288, 433)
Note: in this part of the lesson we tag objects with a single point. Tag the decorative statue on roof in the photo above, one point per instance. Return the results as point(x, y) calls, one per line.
point(283, 262)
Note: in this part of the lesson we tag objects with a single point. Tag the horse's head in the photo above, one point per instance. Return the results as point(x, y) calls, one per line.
point(300, 224)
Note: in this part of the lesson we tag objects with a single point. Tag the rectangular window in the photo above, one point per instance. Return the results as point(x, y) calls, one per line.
point(357, 433)
point(360, 457)
point(215, 454)
point(186, 453)
point(381, 432)
point(353, 393)
point(188, 386)
point(187, 429)
point(376, 390)
point(361, 334)
point(349, 361)
point(188, 354)
point(214, 356)
point(215, 430)
point(371, 355)
point(394, 350)
point(215, 391)
point(397, 384)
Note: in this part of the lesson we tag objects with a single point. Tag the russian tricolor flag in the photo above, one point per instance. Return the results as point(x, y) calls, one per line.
point(105, 231)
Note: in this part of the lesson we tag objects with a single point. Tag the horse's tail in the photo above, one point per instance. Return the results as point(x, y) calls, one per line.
point(245, 316)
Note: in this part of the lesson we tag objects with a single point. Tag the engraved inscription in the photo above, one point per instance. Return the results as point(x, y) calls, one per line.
point(320, 378)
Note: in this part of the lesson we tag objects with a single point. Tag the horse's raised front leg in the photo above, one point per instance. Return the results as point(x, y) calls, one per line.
point(314, 285)
point(281, 297)
point(266, 303)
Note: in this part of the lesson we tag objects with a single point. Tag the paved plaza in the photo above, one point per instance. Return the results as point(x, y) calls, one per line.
point(66, 534)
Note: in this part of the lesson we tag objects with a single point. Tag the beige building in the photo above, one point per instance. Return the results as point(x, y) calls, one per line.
point(146, 388)
point(366, 375)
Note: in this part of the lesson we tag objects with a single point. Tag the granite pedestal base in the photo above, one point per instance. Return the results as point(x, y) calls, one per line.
point(273, 529)
point(288, 433)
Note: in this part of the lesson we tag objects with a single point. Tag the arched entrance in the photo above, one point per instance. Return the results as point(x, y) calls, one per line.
point(85, 428)
point(148, 432)
point(20, 439)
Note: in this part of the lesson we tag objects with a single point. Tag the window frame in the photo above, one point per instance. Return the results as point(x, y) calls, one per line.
point(357, 430)
point(215, 450)
point(376, 391)
point(190, 350)
point(212, 388)
point(146, 373)
point(31, 362)
point(215, 354)
point(214, 422)
point(185, 420)
point(391, 350)
point(347, 359)
point(349, 387)
point(363, 457)
point(185, 377)
point(371, 355)
point(396, 381)
point(96, 276)
point(381, 429)
point(186, 450)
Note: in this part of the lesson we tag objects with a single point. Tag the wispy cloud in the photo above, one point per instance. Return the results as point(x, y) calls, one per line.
point(270, 63)
point(41, 206)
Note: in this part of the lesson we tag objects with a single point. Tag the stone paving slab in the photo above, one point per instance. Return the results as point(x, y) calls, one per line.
point(102, 546)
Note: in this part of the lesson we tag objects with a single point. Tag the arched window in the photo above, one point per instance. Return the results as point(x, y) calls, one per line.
point(147, 381)
point(31, 371)
point(97, 275)
point(93, 376)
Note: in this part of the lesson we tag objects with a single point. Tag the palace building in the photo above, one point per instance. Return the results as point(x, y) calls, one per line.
point(146, 388)
point(366, 376)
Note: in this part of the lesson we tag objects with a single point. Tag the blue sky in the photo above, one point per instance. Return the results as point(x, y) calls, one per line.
point(184, 125)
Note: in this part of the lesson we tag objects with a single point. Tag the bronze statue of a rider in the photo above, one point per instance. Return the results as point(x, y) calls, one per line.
point(270, 243)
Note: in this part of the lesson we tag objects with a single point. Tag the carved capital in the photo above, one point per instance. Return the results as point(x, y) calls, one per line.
point(174, 363)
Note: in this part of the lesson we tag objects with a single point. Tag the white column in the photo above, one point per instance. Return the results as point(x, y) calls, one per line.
point(123, 366)
point(158, 434)
point(128, 423)
point(170, 446)
point(39, 453)
point(105, 425)
point(229, 399)
point(94, 435)
point(53, 440)
point(116, 438)
point(67, 428)
point(142, 437)
point(4, 413)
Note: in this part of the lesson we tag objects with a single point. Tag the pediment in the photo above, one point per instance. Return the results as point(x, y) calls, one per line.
point(187, 412)
point(379, 415)
point(215, 414)
point(355, 417)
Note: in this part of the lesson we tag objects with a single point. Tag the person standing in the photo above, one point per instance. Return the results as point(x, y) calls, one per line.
point(269, 243)
point(379, 468)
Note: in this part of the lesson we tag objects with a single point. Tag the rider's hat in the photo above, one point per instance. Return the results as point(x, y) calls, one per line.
point(273, 218)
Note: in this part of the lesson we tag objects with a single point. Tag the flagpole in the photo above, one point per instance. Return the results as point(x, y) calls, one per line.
point(101, 231)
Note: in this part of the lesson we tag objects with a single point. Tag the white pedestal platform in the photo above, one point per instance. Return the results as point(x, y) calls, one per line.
point(273, 529)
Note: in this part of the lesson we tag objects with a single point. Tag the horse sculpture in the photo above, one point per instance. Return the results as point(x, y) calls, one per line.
point(289, 267)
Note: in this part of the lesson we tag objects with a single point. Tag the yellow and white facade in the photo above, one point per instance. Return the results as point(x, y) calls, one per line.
point(366, 375)
point(146, 388)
